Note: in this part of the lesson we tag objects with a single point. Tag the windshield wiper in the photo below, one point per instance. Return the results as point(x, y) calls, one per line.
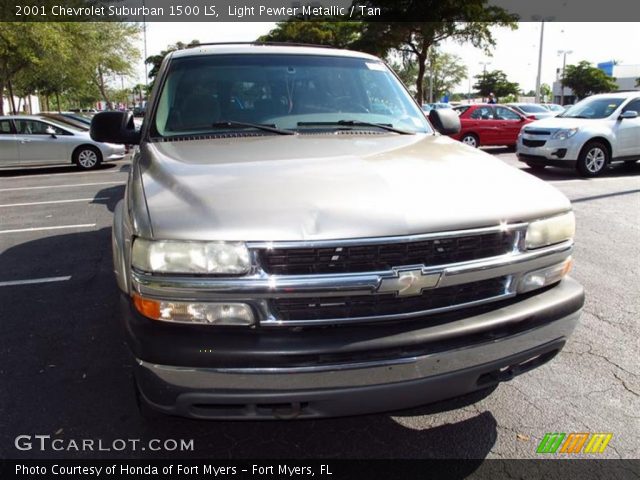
point(257, 126)
point(355, 123)
point(572, 116)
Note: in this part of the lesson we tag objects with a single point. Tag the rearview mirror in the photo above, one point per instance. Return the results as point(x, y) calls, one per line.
point(629, 114)
point(445, 121)
point(51, 131)
point(114, 127)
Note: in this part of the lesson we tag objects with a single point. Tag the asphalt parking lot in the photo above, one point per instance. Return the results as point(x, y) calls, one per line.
point(67, 373)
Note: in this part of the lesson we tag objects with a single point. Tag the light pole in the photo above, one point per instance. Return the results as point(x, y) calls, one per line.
point(484, 71)
point(564, 54)
point(538, 77)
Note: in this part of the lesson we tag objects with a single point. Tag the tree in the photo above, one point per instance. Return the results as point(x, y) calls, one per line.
point(65, 59)
point(445, 70)
point(335, 34)
point(460, 20)
point(585, 79)
point(156, 60)
point(464, 21)
point(545, 91)
point(495, 82)
point(113, 52)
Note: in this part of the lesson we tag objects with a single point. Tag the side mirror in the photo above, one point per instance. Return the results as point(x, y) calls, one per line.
point(629, 114)
point(445, 121)
point(51, 131)
point(114, 127)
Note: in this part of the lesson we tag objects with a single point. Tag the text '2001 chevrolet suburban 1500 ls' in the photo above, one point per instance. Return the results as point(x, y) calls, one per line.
point(297, 240)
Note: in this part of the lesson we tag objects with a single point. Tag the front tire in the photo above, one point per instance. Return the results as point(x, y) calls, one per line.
point(593, 159)
point(87, 157)
point(471, 140)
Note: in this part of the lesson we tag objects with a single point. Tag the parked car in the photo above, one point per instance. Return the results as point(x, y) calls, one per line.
point(489, 124)
point(303, 256)
point(532, 110)
point(553, 107)
point(34, 140)
point(68, 118)
point(588, 136)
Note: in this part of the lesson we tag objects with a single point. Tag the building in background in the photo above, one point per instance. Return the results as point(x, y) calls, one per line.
point(625, 76)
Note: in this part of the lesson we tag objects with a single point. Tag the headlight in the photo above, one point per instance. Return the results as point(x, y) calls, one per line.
point(564, 133)
point(167, 256)
point(550, 230)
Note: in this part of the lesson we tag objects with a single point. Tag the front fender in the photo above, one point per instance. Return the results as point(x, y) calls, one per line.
point(119, 248)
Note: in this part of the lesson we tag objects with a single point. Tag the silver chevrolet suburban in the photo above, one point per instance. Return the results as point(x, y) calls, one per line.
point(298, 240)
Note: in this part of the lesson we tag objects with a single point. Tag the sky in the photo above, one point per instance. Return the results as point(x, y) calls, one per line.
point(516, 52)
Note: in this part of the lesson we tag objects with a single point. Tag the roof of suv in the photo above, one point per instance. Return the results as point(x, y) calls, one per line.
point(257, 48)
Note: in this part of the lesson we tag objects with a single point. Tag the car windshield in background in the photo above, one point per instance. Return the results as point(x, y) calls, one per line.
point(287, 92)
point(532, 109)
point(599, 107)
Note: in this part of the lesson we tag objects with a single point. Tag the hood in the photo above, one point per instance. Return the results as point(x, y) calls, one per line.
point(556, 123)
point(308, 187)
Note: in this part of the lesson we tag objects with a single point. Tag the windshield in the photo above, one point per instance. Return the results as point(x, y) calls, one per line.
point(533, 109)
point(598, 107)
point(287, 92)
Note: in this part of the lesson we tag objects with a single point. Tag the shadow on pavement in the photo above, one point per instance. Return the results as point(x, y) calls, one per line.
point(109, 197)
point(70, 377)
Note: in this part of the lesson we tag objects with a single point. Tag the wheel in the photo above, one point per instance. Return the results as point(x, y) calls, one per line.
point(471, 140)
point(593, 159)
point(87, 157)
point(536, 167)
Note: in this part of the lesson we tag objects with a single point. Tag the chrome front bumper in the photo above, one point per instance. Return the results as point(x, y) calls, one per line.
point(371, 386)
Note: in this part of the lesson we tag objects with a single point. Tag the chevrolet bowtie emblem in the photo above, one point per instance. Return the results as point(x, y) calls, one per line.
point(409, 282)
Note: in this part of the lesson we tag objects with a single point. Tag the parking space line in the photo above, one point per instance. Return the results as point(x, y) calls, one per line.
point(58, 227)
point(35, 280)
point(53, 201)
point(54, 175)
point(60, 186)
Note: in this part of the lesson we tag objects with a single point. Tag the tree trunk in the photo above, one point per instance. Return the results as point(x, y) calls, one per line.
point(11, 100)
point(103, 89)
point(1, 97)
point(58, 102)
point(422, 58)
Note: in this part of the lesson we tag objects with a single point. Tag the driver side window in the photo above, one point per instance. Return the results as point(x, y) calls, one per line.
point(34, 127)
point(633, 105)
point(482, 113)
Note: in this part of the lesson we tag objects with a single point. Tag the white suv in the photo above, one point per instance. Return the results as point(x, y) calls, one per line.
point(588, 136)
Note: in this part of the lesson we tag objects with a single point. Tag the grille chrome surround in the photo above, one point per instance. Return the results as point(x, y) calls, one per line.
point(260, 289)
point(385, 256)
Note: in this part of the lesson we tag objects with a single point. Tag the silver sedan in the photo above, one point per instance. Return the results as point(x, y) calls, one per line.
point(33, 140)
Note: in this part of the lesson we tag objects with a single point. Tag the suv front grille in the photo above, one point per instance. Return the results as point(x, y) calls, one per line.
point(354, 306)
point(533, 143)
point(384, 256)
